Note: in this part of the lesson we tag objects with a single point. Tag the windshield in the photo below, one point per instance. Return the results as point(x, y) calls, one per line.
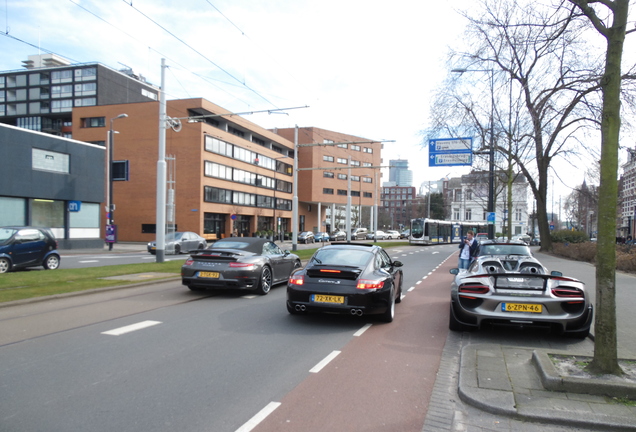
point(417, 228)
point(6, 233)
point(504, 249)
point(346, 257)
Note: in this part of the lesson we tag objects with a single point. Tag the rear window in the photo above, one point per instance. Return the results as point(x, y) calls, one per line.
point(347, 257)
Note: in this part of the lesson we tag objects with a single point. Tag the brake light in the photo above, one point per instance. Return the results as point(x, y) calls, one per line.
point(189, 261)
point(297, 279)
point(369, 284)
point(474, 289)
point(329, 271)
point(241, 265)
point(567, 292)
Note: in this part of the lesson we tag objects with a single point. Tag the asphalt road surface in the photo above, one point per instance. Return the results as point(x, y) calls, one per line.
point(162, 358)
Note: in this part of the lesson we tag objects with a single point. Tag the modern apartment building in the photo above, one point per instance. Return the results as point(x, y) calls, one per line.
point(399, 173)
point(333, 166)
point(226, 175)
point(41, 97)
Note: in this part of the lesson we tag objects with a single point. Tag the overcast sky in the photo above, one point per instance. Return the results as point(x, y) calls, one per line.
point(364, 67)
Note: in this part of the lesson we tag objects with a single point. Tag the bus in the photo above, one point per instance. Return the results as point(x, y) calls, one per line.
point(425, 231)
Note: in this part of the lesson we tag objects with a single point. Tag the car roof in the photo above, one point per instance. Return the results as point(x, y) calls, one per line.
point(250, 244)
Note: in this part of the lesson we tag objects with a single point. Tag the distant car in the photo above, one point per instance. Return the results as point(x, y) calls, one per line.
point(511, 251)
point(378, 235)
point(481, 237)
point(22, 247)
point(359, 233)
point(321, 237)
point(338, 236)
point(536, 241)
point(306, 237)
point(180, 242)
point(517, 290)
point(392, 234)
point(244, 263)
point(522, 238)
point(405, 234)
point(347, 278)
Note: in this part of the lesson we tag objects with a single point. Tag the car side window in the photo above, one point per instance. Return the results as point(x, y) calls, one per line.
point(270, 248)
point(383, 261)
point(28, 235)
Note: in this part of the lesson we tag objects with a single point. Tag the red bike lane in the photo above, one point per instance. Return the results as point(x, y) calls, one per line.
point(381, 380)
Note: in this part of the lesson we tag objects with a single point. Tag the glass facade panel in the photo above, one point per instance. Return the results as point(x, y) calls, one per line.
point(46, 213)
point(87, 217)
point(12, 211)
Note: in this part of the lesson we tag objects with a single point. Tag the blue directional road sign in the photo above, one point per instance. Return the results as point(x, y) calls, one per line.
point(450, 152)
point(490, 218)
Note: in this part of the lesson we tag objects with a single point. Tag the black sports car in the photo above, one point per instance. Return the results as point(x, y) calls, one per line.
point(517, 290)
point(247, 263)
point(351, 278)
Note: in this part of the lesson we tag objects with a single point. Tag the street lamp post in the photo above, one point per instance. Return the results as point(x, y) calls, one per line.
point(491, 150)
point(110, 207)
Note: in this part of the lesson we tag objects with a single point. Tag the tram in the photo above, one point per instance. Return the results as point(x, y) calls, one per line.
point(425, 231)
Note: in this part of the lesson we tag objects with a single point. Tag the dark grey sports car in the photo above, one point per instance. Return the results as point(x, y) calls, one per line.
point(517, 290)
point(348, 278)
point(246, 263)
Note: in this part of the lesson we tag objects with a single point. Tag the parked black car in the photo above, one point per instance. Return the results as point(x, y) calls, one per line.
point(338, 236)
point(347, 278)
point(246, 263)
point(22, 247)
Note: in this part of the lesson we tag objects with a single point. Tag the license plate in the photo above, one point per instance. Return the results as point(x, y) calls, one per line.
point(521, 307)
point(318, 298)
point(214, 275)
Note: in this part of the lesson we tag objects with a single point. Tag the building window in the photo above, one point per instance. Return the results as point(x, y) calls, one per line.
point(327, 158)
point(342, 161)
point(121, 170)
point(342, 192)
point(518, 214)
point(342, 176)
point(368, 150)
point(355, 147)
point(327, 191)
point(46, 160)
point(456, 214)
point(342, 145)
point(61, 76)
point(327, 174)
point(211, 194)
point(86, 74)
point(61, 105)
point(91, 122)
point(235, 131)
point(468, 214)
point(86, 102)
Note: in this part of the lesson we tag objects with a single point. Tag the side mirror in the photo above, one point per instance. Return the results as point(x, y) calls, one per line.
point(454, 271)
point(286, 252)
point(397, 264)
point(556, 273)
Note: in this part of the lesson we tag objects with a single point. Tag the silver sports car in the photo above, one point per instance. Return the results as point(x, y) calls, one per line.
point(518, 290)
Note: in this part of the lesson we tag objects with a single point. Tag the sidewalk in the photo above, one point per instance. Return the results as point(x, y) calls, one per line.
point(512, 381)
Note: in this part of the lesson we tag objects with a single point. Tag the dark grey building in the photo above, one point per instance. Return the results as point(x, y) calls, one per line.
point(54, 182)
point(42, 96)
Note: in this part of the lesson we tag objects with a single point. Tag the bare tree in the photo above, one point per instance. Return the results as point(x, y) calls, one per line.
point(609, 18)
point(533, 56)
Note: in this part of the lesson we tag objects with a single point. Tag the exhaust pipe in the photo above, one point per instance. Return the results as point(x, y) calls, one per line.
point(301, 308)
point(356, 312)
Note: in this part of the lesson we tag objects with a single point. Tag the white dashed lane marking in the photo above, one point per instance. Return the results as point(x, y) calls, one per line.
point(131, 328)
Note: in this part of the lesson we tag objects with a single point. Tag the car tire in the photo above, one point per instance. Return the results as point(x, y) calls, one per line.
point(580, 334)
point(264, 281)
point(455, 325)
point(5, 265)
point(297, 265)
point(202, 246)
point(389, 314)
point(51, 262)
point(398, 298)
point(177, 249)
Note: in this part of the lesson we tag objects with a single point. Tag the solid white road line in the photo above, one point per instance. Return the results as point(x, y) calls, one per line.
point(133, 327)
point(362, 330)
point(259, 417)
point(324, 362)
point(88, 261)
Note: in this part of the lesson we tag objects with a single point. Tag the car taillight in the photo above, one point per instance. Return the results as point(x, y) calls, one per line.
point(241, 265)
point(297, 279)
point(369, 284)
point(474, 289)
point(189, 261)
point(329, 271)
point(567, 292)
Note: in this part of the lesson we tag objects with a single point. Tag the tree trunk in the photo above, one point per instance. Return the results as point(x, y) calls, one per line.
point(605, 344)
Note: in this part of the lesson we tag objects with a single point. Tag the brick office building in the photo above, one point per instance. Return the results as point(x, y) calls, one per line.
point(323, 177)
point(224, 172)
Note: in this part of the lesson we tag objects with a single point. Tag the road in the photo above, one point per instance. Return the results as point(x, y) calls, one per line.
point(233, 362)
point(201, 362)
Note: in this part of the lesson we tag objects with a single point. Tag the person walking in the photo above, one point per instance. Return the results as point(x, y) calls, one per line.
point(468, 250)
